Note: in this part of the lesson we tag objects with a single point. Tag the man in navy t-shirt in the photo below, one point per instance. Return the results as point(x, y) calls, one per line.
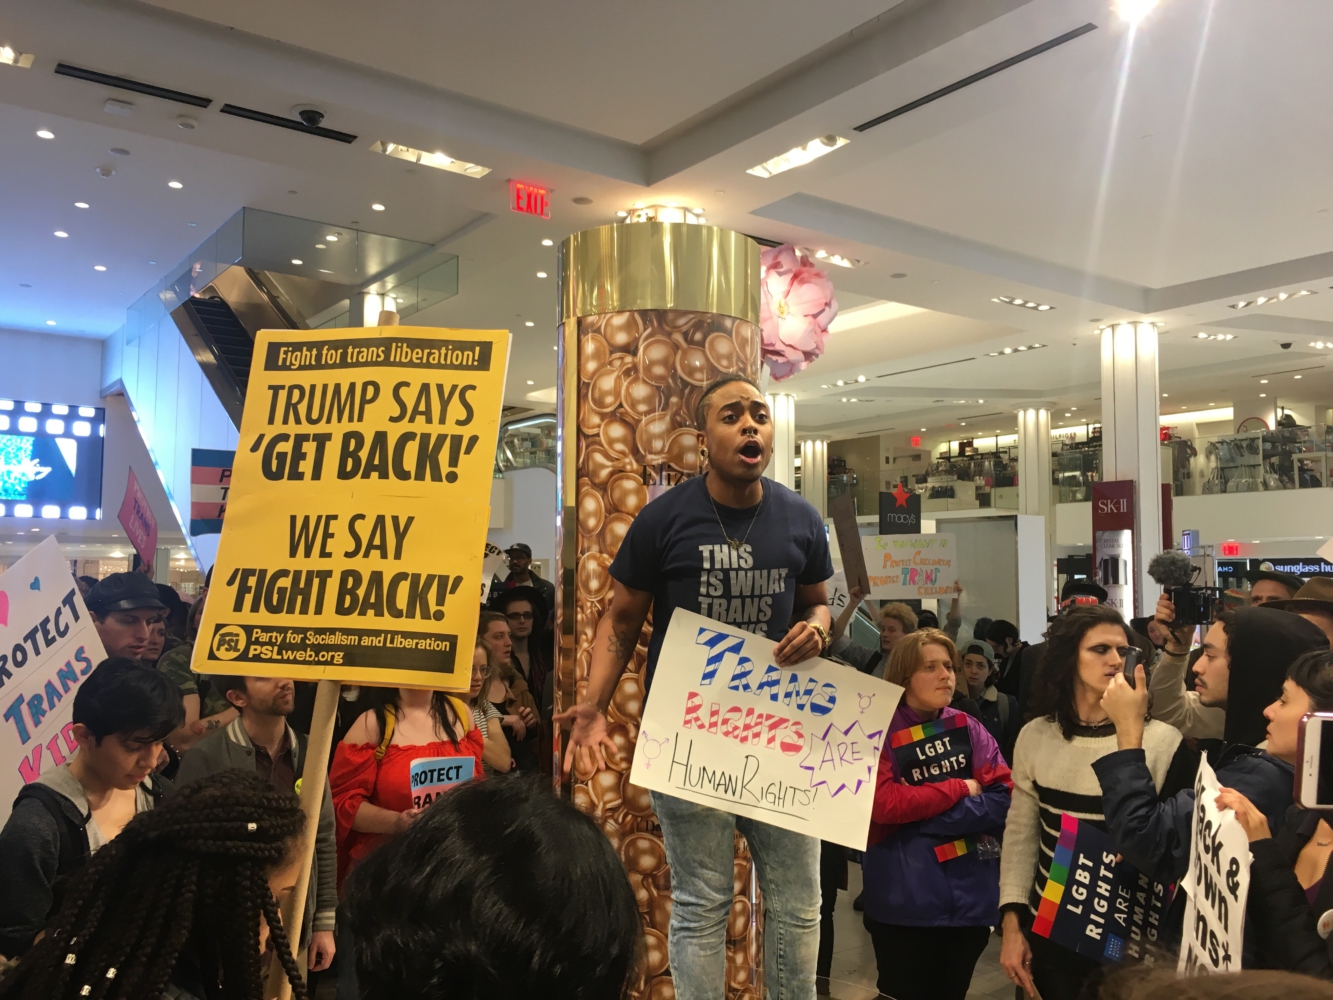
point(744, 550)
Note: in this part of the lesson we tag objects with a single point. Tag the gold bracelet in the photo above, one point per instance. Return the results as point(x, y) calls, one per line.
point(825, 640)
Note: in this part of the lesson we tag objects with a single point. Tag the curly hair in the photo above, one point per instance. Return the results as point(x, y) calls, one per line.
point(1053, 684)
point(186, 880)
point(901, 613)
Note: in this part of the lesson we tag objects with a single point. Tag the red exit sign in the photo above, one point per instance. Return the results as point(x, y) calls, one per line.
point(915, 440)
point(1230, 548)
point(529, 199)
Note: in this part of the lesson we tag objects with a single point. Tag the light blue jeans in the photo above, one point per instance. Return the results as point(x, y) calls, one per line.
point(699, 847)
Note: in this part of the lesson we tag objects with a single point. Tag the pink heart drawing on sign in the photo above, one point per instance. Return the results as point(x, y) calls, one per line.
point(4, 608)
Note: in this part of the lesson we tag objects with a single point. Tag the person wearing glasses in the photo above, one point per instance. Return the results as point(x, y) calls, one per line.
point(525, 611)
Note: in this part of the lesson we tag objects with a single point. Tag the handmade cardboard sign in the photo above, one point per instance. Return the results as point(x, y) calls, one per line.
point(797, 747)
point(356, 519)
point(431, 777)
point(910, 566)
point(1092, 904)
point(843, 512)
point(48, 647)
point(1217, 884)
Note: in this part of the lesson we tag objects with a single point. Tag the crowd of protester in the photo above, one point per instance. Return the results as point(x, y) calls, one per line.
point(154, 862)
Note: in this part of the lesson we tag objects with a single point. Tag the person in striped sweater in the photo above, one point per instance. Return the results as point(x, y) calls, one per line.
point(1053, 774)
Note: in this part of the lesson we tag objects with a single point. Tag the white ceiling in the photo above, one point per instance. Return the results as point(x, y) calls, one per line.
point(625, 70)
point(1005, 187)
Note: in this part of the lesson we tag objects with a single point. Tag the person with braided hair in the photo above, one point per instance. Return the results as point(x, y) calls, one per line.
point(183, 905)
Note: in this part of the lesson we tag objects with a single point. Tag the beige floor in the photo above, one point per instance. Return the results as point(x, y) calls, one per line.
point(853, 973)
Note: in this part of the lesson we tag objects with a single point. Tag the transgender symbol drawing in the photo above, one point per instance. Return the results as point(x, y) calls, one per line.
point(652, 749)
point(865, 699)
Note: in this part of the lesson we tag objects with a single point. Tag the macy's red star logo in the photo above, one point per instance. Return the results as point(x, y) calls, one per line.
point(900, 496)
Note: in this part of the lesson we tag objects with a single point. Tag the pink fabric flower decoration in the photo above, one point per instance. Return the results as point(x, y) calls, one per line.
point(795, 309)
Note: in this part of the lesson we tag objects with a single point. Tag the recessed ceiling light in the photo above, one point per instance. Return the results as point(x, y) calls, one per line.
point(1298, 376)
point(541, 274)
point(61, 233)
point(548, 243)
point(320, 246)
point(798, 156)
point(860, 378)
point(325, 270)
point(99, 267)
point(1165, 395)
point(530, 382)
point(923, 428)
point(50, 322)
point(1262, 395)
point(8, 57)
point(1025, 303)
point(45, 134)
point(1263, 381)
point(295, 261)
point(1271, 299)
point(332, 237)
point(175, 185)
point(377, 207)
point(438, 160)
point(529, 323)
point(80, 204)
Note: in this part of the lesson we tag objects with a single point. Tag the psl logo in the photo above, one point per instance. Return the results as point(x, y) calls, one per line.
point(228, 642)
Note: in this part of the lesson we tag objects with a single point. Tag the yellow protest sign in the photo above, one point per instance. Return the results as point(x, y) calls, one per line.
point(360, 498)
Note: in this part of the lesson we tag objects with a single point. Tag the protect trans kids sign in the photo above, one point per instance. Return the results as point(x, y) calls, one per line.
point(797, 747)
point(48, 647)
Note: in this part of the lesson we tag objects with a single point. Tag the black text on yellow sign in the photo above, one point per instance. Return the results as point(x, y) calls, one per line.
point(358, 511)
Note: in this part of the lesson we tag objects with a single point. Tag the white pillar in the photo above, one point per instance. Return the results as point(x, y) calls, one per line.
point(1131, 446)
point(1034, 484)
point(1034, 461)
point(782, 466)
point(814, 474)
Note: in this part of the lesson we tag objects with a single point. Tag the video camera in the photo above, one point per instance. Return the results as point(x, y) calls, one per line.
point(1174, 571)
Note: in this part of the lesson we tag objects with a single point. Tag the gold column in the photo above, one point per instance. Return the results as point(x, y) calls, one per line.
point(650, 313)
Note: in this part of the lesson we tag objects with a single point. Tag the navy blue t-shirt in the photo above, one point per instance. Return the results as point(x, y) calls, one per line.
point(676, 551)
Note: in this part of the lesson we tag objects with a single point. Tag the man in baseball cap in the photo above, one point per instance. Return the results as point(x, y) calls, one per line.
point(521, 575)
point(124, 607)
point(1268, 585)
point(1313, 601)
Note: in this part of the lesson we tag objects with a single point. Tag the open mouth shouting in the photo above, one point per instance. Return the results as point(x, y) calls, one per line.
point(752, 452)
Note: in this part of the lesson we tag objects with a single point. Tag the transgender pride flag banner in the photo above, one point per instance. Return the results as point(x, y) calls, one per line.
point(210, 482)
point(1100, 908)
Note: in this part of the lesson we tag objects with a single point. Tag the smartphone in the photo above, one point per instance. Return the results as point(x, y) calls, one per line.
point(1132, 657)
point(1314, 761)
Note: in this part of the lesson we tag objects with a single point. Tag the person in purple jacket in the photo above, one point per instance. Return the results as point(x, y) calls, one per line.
point(932, 868)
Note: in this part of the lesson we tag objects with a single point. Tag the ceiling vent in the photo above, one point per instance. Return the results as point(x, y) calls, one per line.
point(295, 124)
point(123, 83)
point(978, 76)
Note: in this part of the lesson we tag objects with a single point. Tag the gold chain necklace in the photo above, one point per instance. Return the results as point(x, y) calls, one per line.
point(736, 543)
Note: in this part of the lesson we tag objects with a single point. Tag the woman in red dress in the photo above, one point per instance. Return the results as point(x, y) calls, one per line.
point(371, 776)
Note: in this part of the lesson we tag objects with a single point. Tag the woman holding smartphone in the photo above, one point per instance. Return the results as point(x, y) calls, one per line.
point(1291, 888)
point(1053, 775)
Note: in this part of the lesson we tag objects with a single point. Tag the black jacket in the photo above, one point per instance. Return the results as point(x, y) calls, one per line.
point(1279, 911)
point(44, 843)
point(1152, 833)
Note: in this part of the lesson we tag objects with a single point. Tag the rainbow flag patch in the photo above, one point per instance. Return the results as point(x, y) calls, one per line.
point(912, 734)
point(1055, 885)
point(955, 849)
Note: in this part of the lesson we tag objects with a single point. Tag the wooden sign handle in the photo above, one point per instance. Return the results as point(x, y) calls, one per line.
point(314, 775)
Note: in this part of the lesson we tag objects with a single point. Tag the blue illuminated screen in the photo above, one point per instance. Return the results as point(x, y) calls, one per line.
point(51, 460)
